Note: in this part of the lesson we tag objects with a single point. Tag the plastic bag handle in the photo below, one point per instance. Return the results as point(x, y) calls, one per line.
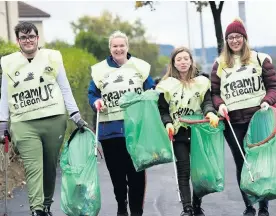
point(129, 103)
point(72, 136)
point(272, 135)
point(264, 141)
point(197, 121)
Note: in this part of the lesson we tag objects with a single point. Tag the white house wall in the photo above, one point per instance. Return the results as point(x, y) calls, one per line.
point(12, 18)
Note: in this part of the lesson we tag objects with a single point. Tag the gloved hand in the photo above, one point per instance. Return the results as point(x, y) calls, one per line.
point(214, 119)
point(169, 127)
point(99, 104)
point(3, 129)
point(79, 121)
point(264, 106)
point(223, 108)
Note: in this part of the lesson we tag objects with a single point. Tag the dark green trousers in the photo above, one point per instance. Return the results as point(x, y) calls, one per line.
point(38, 142)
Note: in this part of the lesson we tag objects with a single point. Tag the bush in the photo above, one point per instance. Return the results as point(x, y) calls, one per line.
point(6, 48)
point(77, 63)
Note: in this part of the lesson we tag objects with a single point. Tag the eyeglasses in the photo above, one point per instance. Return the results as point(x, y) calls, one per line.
point(31, 38)
point(237, 37)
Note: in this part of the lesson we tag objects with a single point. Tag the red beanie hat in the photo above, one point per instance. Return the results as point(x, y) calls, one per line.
point(236, 27)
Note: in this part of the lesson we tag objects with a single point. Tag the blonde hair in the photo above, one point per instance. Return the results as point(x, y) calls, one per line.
point(173, 72)
point(227, 53)
point(118, 34)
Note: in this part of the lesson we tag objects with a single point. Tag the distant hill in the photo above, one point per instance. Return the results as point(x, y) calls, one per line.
point(211, 52)
point(270, 50)
point(165, 49)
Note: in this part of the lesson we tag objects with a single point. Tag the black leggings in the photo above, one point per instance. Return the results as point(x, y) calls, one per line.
point(123, 175)
point(181, 147)
point(240, 131)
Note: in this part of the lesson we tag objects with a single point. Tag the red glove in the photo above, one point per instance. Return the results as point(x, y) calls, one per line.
point(99, 104)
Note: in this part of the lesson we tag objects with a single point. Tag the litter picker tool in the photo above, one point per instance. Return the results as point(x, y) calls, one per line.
point(174, 165)
point(5, 140)
point(97, 133)
point(245, 161)
point(98, 106)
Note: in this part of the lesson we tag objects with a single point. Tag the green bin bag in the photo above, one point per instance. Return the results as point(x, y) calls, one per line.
point(207, 155)
point(80, 188)
point(260, 148)
point(147, 140)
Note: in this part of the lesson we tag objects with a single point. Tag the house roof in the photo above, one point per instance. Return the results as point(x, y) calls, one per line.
point(28, 11)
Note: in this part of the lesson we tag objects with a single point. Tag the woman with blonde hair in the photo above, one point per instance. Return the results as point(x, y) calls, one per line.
point(184, 92)
point(242, 82)
point(120, 72)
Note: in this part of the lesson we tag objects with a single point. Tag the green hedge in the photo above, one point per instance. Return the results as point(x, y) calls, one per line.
point(77, 63)
point(5, 49)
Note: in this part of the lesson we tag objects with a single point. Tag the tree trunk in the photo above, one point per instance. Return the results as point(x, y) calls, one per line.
point(217, 21)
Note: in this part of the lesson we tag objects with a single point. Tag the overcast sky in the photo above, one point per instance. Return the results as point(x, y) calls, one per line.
point(167, 24)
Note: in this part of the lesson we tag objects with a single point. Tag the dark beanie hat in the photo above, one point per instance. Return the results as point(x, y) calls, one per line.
point(236, 27)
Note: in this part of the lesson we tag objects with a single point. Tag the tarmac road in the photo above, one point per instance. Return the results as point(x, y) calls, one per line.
point(161, 197)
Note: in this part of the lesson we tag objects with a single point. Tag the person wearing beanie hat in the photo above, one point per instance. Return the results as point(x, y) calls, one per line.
point(238, 64)
point(236, 27)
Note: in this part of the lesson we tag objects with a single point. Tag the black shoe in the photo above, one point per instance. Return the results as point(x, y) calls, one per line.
point(47, 211)
point(249, 211)
point(37, 213)
point(122, 214)
point(198, 211)
point(263, 212)
point(188, 211)
point(136, 214)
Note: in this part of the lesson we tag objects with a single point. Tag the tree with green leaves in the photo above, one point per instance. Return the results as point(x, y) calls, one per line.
point(216, 11)
point(92, 43)
point(105, 24)
point(139, 4)
point(92, 35)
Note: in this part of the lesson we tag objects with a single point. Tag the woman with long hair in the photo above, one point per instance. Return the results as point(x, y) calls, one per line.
point(243, 81)
point(184, 92)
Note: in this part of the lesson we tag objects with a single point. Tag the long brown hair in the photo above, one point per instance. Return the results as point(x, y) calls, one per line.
point(173, 72)
point(228, 58)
